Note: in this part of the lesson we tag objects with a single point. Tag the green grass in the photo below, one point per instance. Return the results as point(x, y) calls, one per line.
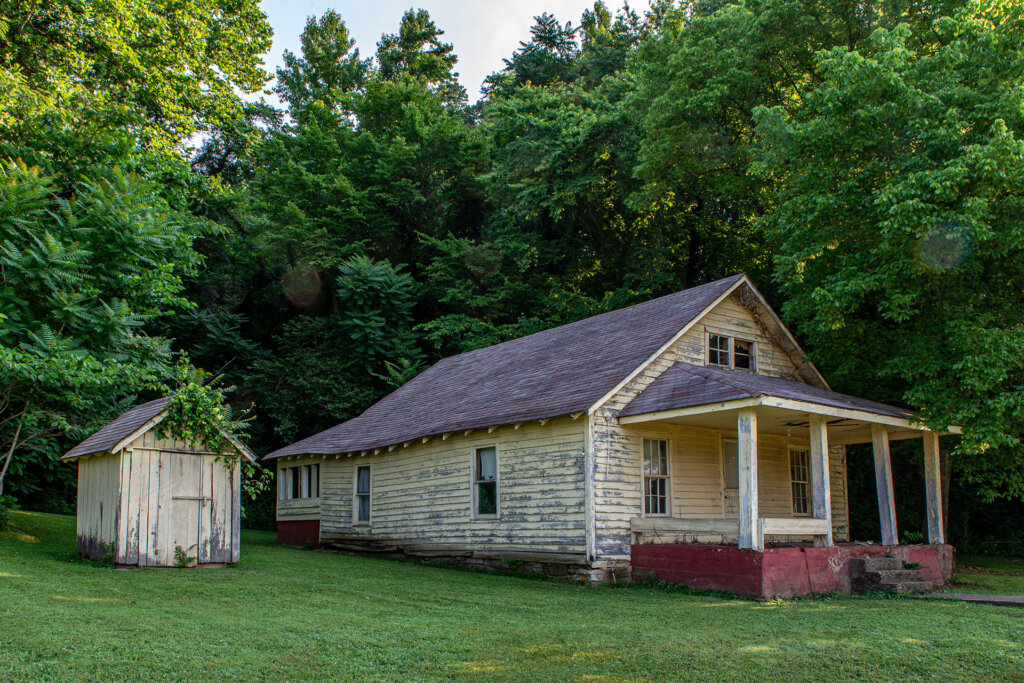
point(977, 574)
point(294, 614)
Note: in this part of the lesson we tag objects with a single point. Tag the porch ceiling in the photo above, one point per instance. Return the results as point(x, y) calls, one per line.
point(779, 421)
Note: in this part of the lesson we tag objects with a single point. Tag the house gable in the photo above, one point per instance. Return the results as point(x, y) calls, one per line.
point(740, 311)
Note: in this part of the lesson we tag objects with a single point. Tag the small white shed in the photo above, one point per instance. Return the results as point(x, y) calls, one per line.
point(141, 496)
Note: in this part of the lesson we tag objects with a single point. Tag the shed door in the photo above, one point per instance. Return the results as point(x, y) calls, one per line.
point(186, 502)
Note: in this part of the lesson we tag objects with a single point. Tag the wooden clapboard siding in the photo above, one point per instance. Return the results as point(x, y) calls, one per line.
point(617, 458)
point(299, 509)
point(732, 319)
point(697, 475)
point(174, 495)
point(98, 503)
point(421, 494)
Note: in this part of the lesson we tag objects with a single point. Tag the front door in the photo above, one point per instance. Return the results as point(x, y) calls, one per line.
point(186, 503)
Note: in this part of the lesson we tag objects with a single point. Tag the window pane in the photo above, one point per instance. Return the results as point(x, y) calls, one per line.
point(304, 481)
point(487, 498)
point(743, 355)
point(363, 483)
point(487, 464)
point(718, 350)
point(293, 477)
point(732, 465)
point(800, 476)
point(364, 508)
point(282, 484)
point(314, 481)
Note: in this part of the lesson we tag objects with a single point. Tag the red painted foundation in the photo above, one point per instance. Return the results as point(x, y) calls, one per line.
point(297, 533)
point(778, 572)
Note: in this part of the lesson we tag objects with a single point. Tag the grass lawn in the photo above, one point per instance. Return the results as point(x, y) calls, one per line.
point(295, 614)
point(1001, 575)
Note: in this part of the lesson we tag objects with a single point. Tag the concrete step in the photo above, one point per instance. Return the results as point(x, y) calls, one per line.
point(891, 575)
point(875, 563)
point(905, 587)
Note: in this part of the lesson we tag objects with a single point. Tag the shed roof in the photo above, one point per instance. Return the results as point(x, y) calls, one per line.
point(555, 372)
point(118, 430)
point(686, 386)
point(130, 422)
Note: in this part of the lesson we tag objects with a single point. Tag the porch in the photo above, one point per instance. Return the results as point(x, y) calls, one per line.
point(771, 544)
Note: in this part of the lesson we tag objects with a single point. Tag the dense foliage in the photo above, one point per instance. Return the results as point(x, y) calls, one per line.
point(862, 162)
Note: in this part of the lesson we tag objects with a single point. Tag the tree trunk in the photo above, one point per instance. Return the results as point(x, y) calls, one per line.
point(7, 460)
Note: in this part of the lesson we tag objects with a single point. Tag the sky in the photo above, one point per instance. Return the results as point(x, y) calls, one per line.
point(483, 31)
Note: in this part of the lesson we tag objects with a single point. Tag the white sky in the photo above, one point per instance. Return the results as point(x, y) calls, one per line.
point(483, 31)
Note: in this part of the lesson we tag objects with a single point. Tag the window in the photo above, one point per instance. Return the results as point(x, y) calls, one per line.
point(363, 494)
point(299, 482)
point(800, 477)
point(655, 477)
point(731, 463)
point(727, 352)
point(718, 350)
point(485, 482)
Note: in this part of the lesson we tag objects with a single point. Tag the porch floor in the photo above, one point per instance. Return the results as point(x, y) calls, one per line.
point(784, 572)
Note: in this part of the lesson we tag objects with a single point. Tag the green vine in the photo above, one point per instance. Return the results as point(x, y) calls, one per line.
point(199, 415)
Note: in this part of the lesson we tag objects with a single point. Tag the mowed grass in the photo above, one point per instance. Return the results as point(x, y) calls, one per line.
point(1000, 575)
point(294, 614)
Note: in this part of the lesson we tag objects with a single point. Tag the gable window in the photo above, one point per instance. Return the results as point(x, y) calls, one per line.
point(800, 478)
point(363, 494)
point(485, 482)
point(728, 352)
point(731, 463)
point(655, 477)
point(302, 481)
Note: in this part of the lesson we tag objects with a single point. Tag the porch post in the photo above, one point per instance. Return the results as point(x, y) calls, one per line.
point(746, 446)
point(933, 487)
point(821, 493)
point(883, 484)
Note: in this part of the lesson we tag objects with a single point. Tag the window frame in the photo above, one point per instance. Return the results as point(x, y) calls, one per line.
point(807, 484)
point(298, 482)
point(356, 495)
point(667, 476)
point(731, 351)
point(725, 475)
point(474, 481)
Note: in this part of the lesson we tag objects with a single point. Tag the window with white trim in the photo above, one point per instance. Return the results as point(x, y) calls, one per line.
point(731, 464)
point(655, 477)
point(729, 352)
point(362, 494)
point(800, 480)
point(485, 482)
point(302, 481)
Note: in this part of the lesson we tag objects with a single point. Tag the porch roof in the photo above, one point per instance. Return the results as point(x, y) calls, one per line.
point(685, 385)
point(710, 397)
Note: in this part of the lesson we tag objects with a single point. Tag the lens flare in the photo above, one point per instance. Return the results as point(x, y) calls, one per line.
point(945, 247)
point(301, 286)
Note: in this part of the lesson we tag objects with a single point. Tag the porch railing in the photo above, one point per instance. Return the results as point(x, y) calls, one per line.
point(767, 526)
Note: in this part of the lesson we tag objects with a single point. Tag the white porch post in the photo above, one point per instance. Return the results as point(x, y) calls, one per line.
point(883, 484)
point(821, 492)
point(750, 528)
point(933, 487)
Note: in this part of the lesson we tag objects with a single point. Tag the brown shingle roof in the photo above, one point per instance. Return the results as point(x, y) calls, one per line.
point(685, 386)
point(556, 372)
point(112, 434)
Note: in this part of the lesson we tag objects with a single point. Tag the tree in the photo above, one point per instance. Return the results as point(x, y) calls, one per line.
point(81, 278)
point(328, 368)
point(901, 186)
point(166, 68)
point(328, 72)
point(416, 51)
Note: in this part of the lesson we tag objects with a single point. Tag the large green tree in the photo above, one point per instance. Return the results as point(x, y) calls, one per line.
point(900, 241)
point(81, 279)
